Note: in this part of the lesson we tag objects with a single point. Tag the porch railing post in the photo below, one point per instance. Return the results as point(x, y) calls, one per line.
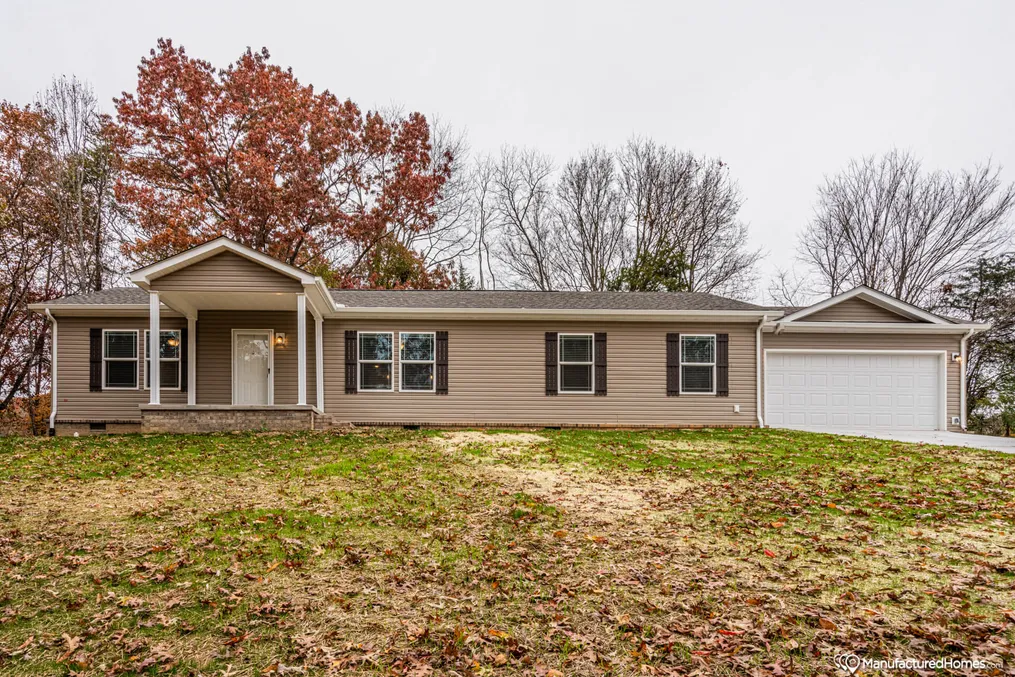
point(301, 348)
point(319, 359)
point(191, 360)
point(153, 346)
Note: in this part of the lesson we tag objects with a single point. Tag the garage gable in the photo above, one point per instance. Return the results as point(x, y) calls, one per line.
point(864, 305)
point(857, 309)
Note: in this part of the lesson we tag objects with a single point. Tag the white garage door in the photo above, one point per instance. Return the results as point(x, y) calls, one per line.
point(853, 391)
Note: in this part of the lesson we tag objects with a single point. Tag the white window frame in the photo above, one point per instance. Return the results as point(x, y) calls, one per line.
point(432, 362)
point(178, 360)
point(697, 364)
point(359, 371)
point(591, 364)
point(136, 359)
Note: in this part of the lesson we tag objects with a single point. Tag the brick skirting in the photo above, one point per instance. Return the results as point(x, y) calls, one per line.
point(209, 419)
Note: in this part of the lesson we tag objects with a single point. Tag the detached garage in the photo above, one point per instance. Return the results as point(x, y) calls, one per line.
point(864, 361)
point(856, 390)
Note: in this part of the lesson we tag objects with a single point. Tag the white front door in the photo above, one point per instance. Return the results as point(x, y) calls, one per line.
point(853, 391)
point(252, 364)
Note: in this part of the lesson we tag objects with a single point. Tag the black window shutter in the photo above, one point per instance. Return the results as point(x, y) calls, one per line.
point(350, 362)
point(673, 365)
point(442, 363)
point(95, 359)
point(183, 360)
point(722, 365)
point(600, 362)
point(551, 363)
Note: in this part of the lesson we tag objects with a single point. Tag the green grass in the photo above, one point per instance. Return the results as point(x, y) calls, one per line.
point(586, 552)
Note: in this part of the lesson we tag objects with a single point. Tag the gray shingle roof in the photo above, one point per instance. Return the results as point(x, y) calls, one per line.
point(513, 300)
point(529, 300)
point(114, 296)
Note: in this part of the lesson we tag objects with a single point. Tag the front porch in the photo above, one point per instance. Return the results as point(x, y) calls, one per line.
point(251, 353)
point(209, 418)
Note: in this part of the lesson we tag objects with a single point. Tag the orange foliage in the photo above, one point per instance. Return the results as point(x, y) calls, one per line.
point(250, 152)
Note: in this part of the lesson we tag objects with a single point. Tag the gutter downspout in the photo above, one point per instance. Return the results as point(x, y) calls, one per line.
point(758, 358)
point(962, 379)
point(52, 376)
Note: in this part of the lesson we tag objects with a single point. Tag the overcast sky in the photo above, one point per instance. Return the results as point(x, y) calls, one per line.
point(786, 93)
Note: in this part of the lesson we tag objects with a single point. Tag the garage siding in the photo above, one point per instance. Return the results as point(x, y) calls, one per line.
point(948, 343)
point(496, 376)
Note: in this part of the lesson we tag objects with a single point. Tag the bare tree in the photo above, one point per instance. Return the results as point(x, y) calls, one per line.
point(690, 206)
point(451, 237)
point(83, 192)
point(788, 289)
point(484, 219)
point(886, 223)
point(523, 198)
point(592, 221)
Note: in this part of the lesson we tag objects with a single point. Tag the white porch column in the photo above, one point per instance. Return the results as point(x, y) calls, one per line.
point(319, 358)
point(153, 345)
point(191, 360)
point(301, 348)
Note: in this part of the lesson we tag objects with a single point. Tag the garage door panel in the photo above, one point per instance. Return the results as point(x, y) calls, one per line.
point(853, 390)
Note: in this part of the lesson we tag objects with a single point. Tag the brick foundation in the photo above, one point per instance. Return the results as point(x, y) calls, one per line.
point(208, 419)
point(86, 428)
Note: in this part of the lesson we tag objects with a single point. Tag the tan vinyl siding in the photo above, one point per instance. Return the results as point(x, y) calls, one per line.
point(227, 272)
point(855, 310)
point(75, 401)
point(944, 342)
point(496, 376)
point(214, 354)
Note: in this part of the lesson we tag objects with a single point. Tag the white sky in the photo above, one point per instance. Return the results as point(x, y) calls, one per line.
point(784, 92)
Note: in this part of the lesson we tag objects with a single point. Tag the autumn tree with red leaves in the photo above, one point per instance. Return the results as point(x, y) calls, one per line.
point(250, 152)
point(28, 173)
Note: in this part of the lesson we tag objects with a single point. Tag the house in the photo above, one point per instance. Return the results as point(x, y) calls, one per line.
point(244, 341)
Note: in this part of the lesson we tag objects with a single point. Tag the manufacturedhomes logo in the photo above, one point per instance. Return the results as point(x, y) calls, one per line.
point(851, 664)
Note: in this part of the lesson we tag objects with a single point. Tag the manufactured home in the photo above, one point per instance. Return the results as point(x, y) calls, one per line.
point(222, 337)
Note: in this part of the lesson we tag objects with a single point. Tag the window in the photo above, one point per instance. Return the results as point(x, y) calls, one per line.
point(375, 361)
point(169, 359)
point(119, 359)
point(575, 362)
point(697, 365)
point(416, 361)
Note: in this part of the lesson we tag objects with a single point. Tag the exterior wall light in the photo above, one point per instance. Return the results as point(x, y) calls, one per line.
point(280, 339)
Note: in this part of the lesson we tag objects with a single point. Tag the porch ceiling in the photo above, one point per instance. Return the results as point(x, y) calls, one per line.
point(189, 302)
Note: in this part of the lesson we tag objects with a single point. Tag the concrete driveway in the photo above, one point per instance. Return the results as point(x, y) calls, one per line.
point(949, 439)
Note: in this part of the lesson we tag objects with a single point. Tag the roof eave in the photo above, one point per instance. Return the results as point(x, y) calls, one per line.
point(551, 313)
point(873, 327)
point(99, 309)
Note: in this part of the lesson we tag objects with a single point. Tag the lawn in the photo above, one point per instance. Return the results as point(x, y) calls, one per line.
point(390, 552)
